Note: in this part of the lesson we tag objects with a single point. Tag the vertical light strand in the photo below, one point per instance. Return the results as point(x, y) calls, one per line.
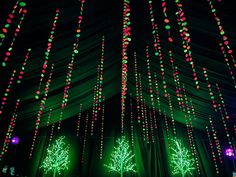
point(22, 71)
point(231, 72)
point(131, 120)
point(79, 119)
point(17, 30)
point(151, 92)
point(216, 140)
point(40, 111)
point(142, 114)
point(97, 99)
point(51, 133)
point(214, 105)
point(85, 137)
point(222, 32)
point(222, 102)
point(147, 125)
point(157, 93)
point(157, 47)
point(167, 129)
point(176, 77)
point(138, 102)
point(172, 115)
point(10, 18)
point(186, 40)
point(189, 126)
point(49, 117)
point(7, 91)
point(47, 53)
point(11, 81)
point(10, 130)
point(70, 66)
point(102, 129)
point(212, 151)
point(126, 39)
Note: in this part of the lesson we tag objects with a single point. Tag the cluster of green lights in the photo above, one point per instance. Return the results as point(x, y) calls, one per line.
point(57, 157)
point(121, 158)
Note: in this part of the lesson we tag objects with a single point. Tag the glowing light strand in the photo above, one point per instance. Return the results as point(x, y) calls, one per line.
point(102, 129)
point(47, 53)
point(10, 130)
point(98, 89)
point(151, 92)
point(222, 32)
point(22, 71)
point(85, 137)
point(71, 64)
point(216, 140)
point(7, 91)
point(211, 94)
point(17, 30)
point(212, 151)
point(40, 111)
point(126, 39)
point(8, 23)
point(79, 119)
point(157, 47)
point(186, 40)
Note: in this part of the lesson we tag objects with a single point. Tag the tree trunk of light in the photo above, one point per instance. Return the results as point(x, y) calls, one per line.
point(54, 173)
point(121, 174)
point(182, 175)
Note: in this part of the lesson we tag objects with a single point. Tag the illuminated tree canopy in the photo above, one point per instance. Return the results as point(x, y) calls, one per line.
point(121, 158)
point(57, 157)
point(181, 160)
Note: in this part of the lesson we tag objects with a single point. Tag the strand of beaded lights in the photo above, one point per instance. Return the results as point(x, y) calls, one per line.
point(40, 111)
point(47, 53)
point(10, 130)
point(17, 30)
point(71, 64)
point(125, 42)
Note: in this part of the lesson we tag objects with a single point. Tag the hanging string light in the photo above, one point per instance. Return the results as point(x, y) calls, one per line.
point(40, 111)
point(186, 40)
point(70, 66)
point(22, 71)
point(10, 130)
point(126, 39)
point(214, 105)
point(17, 30)
point(222, 48)
point(222, 32)
point(85, 137)
point(167, 129)
point(49, 117)
point(149, 133)
point(97, 99)
point(151, 92)
point(157, 47)
point(189, 125)
point(142, 113)
point(137, 88)
point(47, 53)
point(79, 118)
point(216, 140)
point(10, 18)
point(131, 120)
point(7, 91)
point(212, 151)
point(102, 129)
point(157, 93)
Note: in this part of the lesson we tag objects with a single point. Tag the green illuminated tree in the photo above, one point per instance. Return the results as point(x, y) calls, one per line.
point(57, 157)
point(121, 158)
point(181, 160)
